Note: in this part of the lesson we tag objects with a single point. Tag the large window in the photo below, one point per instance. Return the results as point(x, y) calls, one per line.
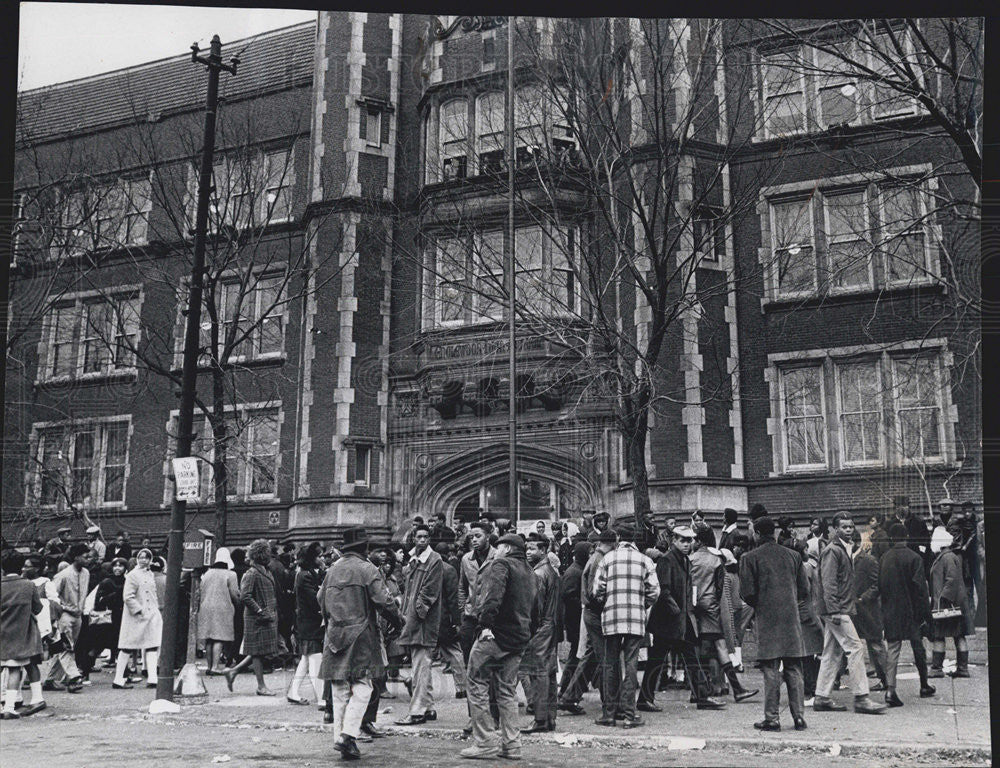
point(81, 463)
point(490, 131)
point(90, 335)
point(250, 188)
point(841, 409)
point(454, 134)
point(784, 101)
point(104, 216)
point(848, 235)
point(253, 314)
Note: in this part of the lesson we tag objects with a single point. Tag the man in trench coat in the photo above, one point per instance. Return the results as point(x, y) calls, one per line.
point(353, 593)
point(772, 580)
point(539, 660)
point(422, 613)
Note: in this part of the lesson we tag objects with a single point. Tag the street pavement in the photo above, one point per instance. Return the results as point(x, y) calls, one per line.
point(950, 729)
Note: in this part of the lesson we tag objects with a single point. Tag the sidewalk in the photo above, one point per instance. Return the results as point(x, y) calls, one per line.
point(954, 726)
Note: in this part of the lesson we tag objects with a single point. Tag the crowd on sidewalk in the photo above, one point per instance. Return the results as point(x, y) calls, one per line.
point(492, 606)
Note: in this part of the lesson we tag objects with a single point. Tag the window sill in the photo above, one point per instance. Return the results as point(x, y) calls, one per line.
point(255, 362)
point(845, 296)
point(126, 374)
point(859, 471)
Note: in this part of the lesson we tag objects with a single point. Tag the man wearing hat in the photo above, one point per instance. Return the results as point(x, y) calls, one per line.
point(56, 547)
point(917, 533)
point(504, 624)
point(601, 522)
point(772, 581)
point(96, 543)
point(905, 608)
point(353, 594)
point(626, 583)
point(674, 627)
point(423, 574)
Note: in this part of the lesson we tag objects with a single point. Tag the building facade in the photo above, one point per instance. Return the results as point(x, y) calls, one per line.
point(357, 237)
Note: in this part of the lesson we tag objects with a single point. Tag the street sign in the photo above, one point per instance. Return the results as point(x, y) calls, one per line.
point(187, 483)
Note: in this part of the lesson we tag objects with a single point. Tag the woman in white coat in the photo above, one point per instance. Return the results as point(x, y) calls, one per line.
point(141, 621)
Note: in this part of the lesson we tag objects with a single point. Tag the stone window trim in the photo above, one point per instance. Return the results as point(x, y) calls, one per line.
point(203, 431)
point(78, 299)
point(33, 473)
point(283, 309)
point(367, 106)
point(828, 359)
point(874, 183)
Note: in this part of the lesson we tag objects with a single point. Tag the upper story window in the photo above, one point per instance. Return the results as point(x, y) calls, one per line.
point(851, 236)
point(253, 314)
point(543, 130)
point(466, 283)
point(80, 462)
point(90, 335)
point(844, 409)
point(709, 235)
point(250, 188)
point(103, 216)
point(805, 89)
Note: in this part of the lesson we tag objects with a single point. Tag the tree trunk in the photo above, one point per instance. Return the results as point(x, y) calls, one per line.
point(220, 441)
point(635, 434)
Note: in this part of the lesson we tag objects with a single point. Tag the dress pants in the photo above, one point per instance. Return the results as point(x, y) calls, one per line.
point(621, 660)
point(810, 670)
point(454, 659)
point(572, 662)
point(543, 693)
point(695, 674)
point(591, 663)
point(350, 700)
point(423, 693)
point(656, 664)
point(919, 659)
point(69, 626)
point(840, 639)
point(371, 711)
point(878, 654)
point(489, 664)
point(792, 675)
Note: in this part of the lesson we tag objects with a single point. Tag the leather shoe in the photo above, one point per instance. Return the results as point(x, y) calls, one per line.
point(536, 727)
point(632, 722)
point(744, 694)
point(648, 706)
point(364, 738)
point(892, 699)
point(348, 748)
point(327, 717)
point(710, 703)
point(74, 686)
point(926, 691)
point(31, 709)
point(877, 687)
point(5, 715)
point(609, 721)
point(865, 706)
point(827, 705)
point(411, 720)
point(52, 685)
point(800, 723)
point(935, 672)
point(461, 695)
point(121, 686)
point(430, 714)
point(372, 730)
point(300, 701)
point(571, 708)
point(768, 725)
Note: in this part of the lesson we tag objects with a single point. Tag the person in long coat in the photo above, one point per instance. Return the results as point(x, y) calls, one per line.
point(142, 624)
point(674, 627)
point(308, 623)
point(539, 659)
point(258, 593)
point(422, 612)
point(449, 647)
point(948, 590)
point(352, 597)
point(772, 581)
point(812, 627)
point(905, 607)
point(868, 619)
point(110, 596)
point(20, 640)
point(219, 599)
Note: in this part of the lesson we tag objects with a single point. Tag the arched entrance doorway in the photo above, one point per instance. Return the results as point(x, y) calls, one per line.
point(551, 485)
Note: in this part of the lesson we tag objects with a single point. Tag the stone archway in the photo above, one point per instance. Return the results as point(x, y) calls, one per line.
point(449, 481)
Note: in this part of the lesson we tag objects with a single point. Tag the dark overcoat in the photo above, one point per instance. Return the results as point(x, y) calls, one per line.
point(948, 590)
point(772, 581)
point(540, 653)
point(672, 616)
point(422, 601)
point(451, 616)
point(353, 595)
point(903, 586)
point(308, 618)
point(812, 628)
point(868, 619)
point(19, 603)
point(260, 612)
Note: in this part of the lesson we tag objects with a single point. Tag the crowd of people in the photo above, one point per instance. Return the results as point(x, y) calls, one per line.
point(493, 606)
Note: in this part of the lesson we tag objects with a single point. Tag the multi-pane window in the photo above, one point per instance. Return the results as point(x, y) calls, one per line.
point(490, 131)
point(249, 189)
point(488, 287)
point(709, 235)
point(451, 286)
point(94, 335)
point(888, 102)
point(251, 454)
point(904, 235)
point(859, 394)
point(362, 464)
point(803, 419)
point(836, 89)
point(373, 126)
point(530, 285)
point(565, 295)
point(784, 94)
point(454, 136)
point(794, 253)
point(252, 314)
point(917, 398)
point(82, 464)
point(847, 242)
point(113, 215)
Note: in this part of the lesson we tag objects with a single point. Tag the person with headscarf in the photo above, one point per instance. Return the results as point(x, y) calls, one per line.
point(219, 598)
point(258, 593)
point(308, 623)
point(110, 597)
point(947, 590)
point(142, 624)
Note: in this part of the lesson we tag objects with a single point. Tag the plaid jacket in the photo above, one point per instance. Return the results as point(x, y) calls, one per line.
point(626, 578)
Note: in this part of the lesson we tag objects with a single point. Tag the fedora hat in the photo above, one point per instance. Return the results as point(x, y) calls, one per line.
point(355, 537)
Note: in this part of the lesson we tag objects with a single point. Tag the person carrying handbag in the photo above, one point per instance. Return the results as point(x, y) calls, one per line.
point(952, 615)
